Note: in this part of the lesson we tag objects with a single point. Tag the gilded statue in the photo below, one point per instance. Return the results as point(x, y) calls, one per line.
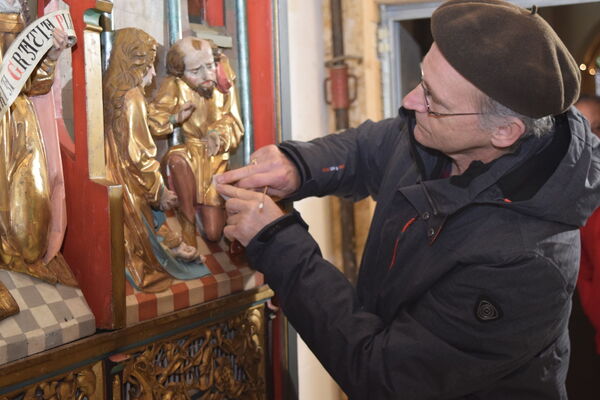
point(151, 247)
point(211, 126)
point(26, 202)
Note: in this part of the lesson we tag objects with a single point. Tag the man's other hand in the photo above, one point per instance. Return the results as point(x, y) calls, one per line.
point(268, 167)
point(247, 212)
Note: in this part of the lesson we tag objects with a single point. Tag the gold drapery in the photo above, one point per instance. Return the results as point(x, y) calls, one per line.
point(24, 184)
point(131, 162)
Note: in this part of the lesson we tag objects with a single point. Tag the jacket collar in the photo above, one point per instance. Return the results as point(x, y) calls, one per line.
point(514, 177)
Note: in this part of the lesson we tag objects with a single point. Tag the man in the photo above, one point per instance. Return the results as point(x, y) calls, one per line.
point(211, 127)
point(465, 287)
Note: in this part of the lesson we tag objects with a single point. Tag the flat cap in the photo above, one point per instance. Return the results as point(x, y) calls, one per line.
point(509, 53)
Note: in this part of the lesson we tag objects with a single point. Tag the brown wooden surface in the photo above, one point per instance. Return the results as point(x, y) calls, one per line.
point(104, 344)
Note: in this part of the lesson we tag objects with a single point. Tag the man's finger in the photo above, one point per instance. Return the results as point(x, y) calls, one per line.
point(233, 219)
point(235, 205)
point(238, 193)
point(229, 232)
point(235, 175)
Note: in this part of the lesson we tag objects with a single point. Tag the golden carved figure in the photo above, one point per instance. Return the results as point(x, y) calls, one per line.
point(131, 161)
point(25, 188)
point(211, 126)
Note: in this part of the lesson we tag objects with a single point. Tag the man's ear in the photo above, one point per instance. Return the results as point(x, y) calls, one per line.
point(507, 134)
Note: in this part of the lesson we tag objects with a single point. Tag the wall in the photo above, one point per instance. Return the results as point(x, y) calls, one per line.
point(309, 120)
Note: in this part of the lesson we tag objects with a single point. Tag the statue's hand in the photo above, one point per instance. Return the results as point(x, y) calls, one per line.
point(61, 42)
point(214, 143)
point(168, 200)
point(186, 253)
point(184, 112)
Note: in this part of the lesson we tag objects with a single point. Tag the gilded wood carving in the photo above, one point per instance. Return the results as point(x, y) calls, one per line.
point(83, 384)
point(220, 361)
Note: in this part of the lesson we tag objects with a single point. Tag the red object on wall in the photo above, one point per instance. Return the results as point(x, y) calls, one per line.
point(41, 5)
point(215, 15)
point(262, 70)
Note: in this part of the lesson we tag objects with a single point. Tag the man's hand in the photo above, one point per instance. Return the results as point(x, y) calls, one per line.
point(184, 112)
point(61, 42)
point(269, 167)
point(168, 200)
point(245, 216)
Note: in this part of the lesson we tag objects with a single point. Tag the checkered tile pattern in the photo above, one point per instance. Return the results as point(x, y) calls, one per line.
point(229, 275)
point(50, 316)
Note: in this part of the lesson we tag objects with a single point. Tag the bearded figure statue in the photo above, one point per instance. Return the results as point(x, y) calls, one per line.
point(198, 95)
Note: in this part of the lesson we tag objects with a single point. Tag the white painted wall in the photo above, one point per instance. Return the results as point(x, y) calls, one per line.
point(308, 121)
point(147, 15)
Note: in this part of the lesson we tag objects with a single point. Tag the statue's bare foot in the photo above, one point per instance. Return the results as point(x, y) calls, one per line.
point(186, 253)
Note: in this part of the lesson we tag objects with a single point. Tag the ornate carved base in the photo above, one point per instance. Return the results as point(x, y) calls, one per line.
point(224, 360)
point(216, 350)
point(82, 384)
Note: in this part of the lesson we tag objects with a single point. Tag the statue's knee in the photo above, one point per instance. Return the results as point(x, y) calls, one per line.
point(177, 163)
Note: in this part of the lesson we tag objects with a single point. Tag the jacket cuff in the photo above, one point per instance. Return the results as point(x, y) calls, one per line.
point(264, 238)
point(291, 152)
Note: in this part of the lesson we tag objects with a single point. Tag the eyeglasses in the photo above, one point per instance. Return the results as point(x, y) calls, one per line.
point(432, 113)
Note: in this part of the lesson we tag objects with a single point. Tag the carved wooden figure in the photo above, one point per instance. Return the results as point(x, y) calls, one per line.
point(211, 126)
point(150, 246)
point(28, 204)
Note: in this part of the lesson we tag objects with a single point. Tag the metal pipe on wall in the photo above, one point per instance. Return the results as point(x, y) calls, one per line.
point(340, 100)
point(244, 78)
point(174, 18)
point(175, 33)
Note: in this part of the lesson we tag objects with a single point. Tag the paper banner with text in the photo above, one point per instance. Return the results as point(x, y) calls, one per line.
point(27, 50)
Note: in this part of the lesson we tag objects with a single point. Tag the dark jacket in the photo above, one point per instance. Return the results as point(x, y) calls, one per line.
point(465, 284)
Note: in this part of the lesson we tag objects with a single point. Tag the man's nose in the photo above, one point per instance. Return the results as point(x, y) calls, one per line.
point(415, 100)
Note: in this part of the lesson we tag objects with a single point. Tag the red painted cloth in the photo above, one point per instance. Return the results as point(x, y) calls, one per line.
point(588, 282)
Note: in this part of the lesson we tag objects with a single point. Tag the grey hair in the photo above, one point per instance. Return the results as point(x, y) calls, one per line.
point(495, 114)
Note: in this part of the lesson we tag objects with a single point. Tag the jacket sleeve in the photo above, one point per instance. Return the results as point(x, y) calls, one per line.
point(433, 349)
point(350, 164)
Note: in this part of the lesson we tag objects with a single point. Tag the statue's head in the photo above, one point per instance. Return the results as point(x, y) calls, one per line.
point(131, 65)
point(133, 55)
point(194, 61)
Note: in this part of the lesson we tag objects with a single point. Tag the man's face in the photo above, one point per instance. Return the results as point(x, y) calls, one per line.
point(591, 112)
point(200, 69)
point(459, 136)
